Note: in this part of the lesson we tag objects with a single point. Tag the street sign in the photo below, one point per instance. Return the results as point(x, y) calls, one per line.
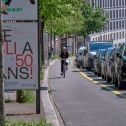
point(21, 10)
point(20, 50)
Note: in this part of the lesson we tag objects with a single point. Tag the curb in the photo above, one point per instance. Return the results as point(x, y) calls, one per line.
point(49, 111)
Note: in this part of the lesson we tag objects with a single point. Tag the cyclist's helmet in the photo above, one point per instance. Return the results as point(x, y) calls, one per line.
point(64, 48)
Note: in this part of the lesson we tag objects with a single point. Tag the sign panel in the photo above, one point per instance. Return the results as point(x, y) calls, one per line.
point(20, 50)
point(21, 10)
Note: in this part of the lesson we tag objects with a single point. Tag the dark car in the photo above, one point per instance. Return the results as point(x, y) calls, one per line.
point(90, 52)
point(98, 61)
point(120, 71)
point(113, 67)
point(106, 65)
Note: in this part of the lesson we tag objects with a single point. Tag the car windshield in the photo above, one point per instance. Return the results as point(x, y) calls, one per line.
point(96, 46)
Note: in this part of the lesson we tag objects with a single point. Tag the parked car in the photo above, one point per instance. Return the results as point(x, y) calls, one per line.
point(113, 66)
point(98, 60)
point(120, 71)
point(105, 65)
point(90, 52)
point(108, 64)
point(79, 57)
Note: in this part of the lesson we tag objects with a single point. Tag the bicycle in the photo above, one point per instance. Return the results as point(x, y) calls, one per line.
point(64, 67)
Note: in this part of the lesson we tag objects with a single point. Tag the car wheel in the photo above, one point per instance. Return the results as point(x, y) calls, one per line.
point(99, 74)
point(108, 79)
point(114, 80)
point(95, 72)
point(105, 77)
point(119, 82)
point(83, 67)
point(102, 76)
point(78, 66)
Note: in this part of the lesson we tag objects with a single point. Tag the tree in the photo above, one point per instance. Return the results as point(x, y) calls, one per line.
point(60, 16)
point(94, 19)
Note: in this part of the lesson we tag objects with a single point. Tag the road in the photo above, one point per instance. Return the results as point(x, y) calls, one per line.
point(85, 100)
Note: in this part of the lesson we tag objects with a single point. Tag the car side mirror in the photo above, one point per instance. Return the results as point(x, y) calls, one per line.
point(95, 56)
point(80, 54)
point(85, 51)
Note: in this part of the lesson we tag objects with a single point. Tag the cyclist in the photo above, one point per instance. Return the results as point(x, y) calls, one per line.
point(64, 55)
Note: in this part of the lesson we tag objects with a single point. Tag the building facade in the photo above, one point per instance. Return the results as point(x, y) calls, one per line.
point(115, 29)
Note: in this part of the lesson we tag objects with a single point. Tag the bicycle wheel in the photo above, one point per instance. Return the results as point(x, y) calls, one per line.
point(64, 70)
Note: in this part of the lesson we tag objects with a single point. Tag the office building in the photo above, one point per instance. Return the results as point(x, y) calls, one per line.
point(115, 29)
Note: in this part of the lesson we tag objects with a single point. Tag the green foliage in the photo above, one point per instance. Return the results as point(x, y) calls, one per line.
point(28, 96)
point(21, 123)
point(94, 19)
point(61, 16)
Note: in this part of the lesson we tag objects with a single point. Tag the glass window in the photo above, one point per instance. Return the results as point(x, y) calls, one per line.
point(117, 3)
point(110, 14)
point(123, 35)
point(120, 13)
point(123, 13)
point(103, 3)
point(120, 35)
point(106, 3)
point(114, 25)
point(114, 13)
point(120, 24)
point(117, 14)
point(117, 35)
point(123, 24)
point(123, 2)
point(114, 3)
point(110, 25)
point(96, 46)
point(114, 36)
point(117, 26)
point(110, 3)
point(120, 3)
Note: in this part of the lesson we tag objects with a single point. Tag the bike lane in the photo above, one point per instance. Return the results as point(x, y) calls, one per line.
point(83, 103)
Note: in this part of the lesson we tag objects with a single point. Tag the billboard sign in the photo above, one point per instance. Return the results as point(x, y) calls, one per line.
point(20, 51)
point(21, 10)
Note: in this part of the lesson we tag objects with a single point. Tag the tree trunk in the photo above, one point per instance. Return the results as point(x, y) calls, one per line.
point(84, 43)
point(51, 47)
point(19, 97)
point(54, 44)
point(2, 114)
point(75, 44)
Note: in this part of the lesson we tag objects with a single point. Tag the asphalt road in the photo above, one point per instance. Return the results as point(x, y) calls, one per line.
point(82, 102)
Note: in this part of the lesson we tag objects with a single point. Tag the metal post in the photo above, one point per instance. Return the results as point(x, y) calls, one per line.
point(38, 103)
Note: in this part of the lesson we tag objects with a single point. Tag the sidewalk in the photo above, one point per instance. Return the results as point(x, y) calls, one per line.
point(24, 111)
